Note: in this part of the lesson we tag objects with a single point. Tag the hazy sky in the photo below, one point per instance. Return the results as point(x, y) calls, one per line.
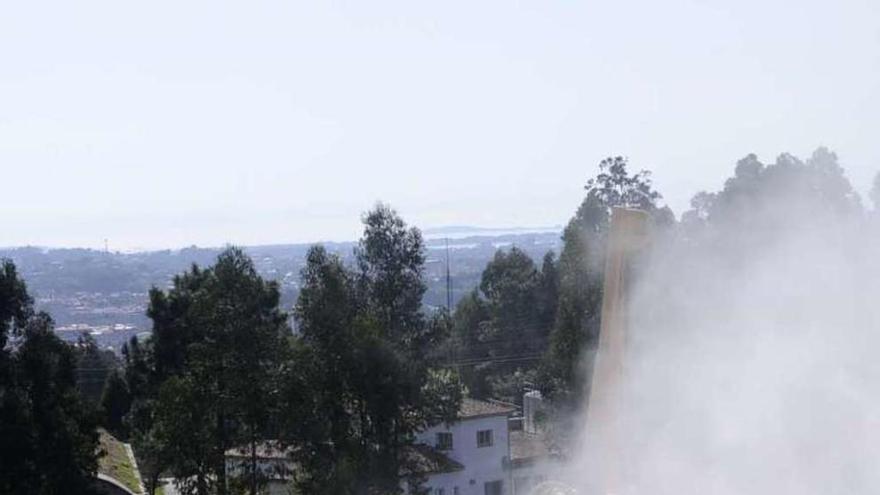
point(163, 124)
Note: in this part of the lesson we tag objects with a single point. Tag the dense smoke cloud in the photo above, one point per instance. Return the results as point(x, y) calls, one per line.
point(752, 364)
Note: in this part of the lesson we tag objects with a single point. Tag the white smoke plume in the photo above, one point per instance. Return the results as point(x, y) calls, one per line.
point(753, 359)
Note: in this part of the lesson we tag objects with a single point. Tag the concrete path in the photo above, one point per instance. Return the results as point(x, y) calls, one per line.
point(168, 486)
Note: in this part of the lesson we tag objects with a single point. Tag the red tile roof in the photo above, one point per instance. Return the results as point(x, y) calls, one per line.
point(473, 408)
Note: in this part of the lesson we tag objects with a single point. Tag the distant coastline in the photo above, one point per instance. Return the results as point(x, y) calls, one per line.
point(430, 234)
point(461, 231)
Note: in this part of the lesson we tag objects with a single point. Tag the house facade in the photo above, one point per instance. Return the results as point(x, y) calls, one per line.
point(479, 442)
point(492, 453)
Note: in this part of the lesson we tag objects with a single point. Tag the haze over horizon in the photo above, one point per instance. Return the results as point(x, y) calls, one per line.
point(432, 236)
point(165, 124)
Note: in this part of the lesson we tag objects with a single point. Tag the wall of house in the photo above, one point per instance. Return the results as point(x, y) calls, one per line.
point(481, 464)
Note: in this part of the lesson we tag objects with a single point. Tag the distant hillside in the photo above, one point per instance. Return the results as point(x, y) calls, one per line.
point(106, 292)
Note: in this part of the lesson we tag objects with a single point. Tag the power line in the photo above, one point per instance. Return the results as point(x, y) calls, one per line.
point(496, 360)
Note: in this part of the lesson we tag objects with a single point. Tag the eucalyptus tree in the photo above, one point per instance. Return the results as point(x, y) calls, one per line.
point(366, 378)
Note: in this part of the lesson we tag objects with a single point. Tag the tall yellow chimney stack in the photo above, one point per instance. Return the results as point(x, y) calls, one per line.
point(628, 235)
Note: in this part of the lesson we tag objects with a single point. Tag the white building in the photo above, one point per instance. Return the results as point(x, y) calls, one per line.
point(487, 456)
point(479, 443)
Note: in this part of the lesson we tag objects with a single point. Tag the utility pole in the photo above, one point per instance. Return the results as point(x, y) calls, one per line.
point(448, 281)
point(454, 350)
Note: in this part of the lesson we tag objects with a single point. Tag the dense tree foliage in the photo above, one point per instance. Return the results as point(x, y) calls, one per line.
point(521, 313)
point(207, 380)
point(344, 395)
point(48, 437)
point(501, 328)
point(365, 381)
point(115, 404)
point(761, 203)
point(93, 368)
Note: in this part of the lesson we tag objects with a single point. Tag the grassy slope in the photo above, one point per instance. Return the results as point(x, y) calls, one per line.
point(116, 463)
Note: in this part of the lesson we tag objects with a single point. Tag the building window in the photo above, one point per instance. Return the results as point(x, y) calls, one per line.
point(484, 438)
point(455, 490)
point(492, 488)
point(444, 440)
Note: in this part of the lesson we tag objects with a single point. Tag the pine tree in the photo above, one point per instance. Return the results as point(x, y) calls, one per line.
point(48, 436)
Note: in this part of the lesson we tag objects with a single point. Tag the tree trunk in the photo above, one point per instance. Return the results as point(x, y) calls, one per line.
point(202, 485)
point(154, 482)
point(220, 468)
point(253, 463)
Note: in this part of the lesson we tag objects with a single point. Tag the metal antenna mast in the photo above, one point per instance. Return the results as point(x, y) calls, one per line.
point(454, 348)
point(448, 281)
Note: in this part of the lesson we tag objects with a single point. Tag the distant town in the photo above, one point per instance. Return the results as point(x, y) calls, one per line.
point(102, 292)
